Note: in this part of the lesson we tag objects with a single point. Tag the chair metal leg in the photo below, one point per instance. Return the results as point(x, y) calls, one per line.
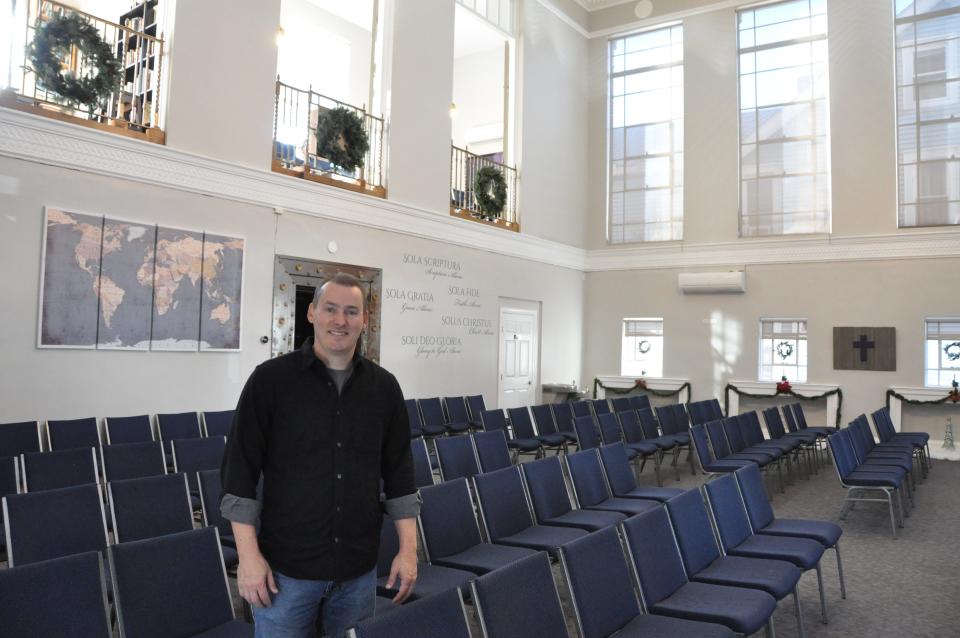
point(823, 597)
point(796, 606)
point(893, 522)
point(656, 467)
point(769, 630)
point(676, 462)
point(843, 586)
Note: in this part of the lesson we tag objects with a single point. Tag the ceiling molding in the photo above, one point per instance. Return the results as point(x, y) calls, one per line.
point(566, 19)
point(597, 5)
point(65, 145)
point(665, 17)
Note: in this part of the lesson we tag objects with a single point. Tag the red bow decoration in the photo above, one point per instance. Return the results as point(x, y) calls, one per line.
point(783, 385)
point(640, 384)
point(954, 395)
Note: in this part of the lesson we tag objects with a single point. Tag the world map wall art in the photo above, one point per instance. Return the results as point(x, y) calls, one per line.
point(120, 285)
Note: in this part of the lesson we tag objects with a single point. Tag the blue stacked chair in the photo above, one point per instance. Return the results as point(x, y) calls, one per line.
point(151, 506)
point(716, 431)
point(548, 432)
point(9, 484)
point(179, 425)
point(551, 503)
point(600, 406)
point(63, 468)
point(590, 490)
point(633, 440)
point(523, 429)
point(133, 460)
point(610, 432)
point(476, 407)
point(422, 469)
point(492, 450)
point(127, 429)
point(708, 462)
point(210, 490)
point(620, 404)
point(623, 484)
point(456, 409)
point(457, 457)
point(640, 402)
point(495, 420)
point(19, 438)
point(73, 433)
point(440, 615)
point(651, 433)
point(218, 423)
point(884, 456)
point(888, 434)
point(563, 417)
point(806, 441)
point(435, 419)
point(586, 429)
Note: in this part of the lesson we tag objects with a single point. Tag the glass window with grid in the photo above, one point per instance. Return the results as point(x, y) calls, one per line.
point(928, 108)
point(641, 349)
point(784, 119)
point(783, 350)
point(942, 352)
point(646, 137)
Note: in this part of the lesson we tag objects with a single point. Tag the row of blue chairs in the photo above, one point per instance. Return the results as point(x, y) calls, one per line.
point(727, 561)
point(25, 436)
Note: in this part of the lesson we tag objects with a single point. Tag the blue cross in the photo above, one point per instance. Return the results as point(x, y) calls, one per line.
point(863, 345)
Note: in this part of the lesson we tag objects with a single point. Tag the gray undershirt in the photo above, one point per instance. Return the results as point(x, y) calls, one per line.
point(340, 377)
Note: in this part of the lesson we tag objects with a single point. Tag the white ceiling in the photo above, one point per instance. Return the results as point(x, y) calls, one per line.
point(596, 5)
point(359, 12)
point(472, 35)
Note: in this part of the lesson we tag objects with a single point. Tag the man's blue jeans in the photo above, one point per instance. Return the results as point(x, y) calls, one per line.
point(294, 611)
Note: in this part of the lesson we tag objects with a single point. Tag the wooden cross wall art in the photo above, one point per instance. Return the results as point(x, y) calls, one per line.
point(865, 349)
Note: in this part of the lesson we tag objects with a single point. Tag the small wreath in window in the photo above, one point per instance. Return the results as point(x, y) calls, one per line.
point(491, 191)
point(784, 349)
point(342, 138)
point(52, 43)
point(643, 347)
point(952, 350)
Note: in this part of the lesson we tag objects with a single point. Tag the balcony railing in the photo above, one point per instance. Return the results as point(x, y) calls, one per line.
point(133, 109)
point(296, 114)
point(463, 201)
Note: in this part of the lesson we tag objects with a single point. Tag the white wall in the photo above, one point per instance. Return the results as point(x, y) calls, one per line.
point(478, 94)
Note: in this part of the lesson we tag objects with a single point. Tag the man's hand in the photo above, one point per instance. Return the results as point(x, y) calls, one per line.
point(405, 567)
point(255, 580)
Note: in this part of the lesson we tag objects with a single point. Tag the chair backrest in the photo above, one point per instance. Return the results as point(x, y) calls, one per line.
point(447, 519)
point(581, 408)
point(667, 418)
point(151, 506)
point(413, 415)
point(19, 438)
point(698, 438)
point(616, 467)
point(799, 415)
point(493, 420)
point(178, 425)
point(883, 424)
point(586, 476)
point(157, 594)
point(63, 468)
point(64, 597)
point(127, 429)
point(630, 424)
point(861, 445)
point(442, 614)
point(714, 410)
point(210, 488)
point(653, 551)
point(218, 423)
point(648, 423)
point(492, 450)
point(587, 436)
point(543, 416)
point(640, 402)
point(563, 416)
point(691, 526)
point(731, 428)
point(718, 439)
point(862, 426)
point(68, 434)
point(432, 411)
point(422, 470)
point(771, 416)
point(456, 409)
point(457, 457)
point(750, 428)
point(192, 455)
point(790, 418)
point(610, 428)
point(503, 503)
point(133, 460)
point(755, 497)
point(842, 451)
point(600, 586)
point(476, 405)
point(522, 425)
point(54, 523)
point(546, 487)
point(729, 515)
point(519, 600)
point(698, 412)
point(620, 404)
point(600, 406)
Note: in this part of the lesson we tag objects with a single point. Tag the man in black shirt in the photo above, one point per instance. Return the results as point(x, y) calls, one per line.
point(324, 427)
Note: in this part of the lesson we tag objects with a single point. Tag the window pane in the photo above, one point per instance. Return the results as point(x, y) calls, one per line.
point(783, 350)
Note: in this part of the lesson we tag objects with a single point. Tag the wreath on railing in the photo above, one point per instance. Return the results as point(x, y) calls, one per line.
point(491, 191)
point(52, 42)
point(342, 138)
point(952, 350)
point(784, 349)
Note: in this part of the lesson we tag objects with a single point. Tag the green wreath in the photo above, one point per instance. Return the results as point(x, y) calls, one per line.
point(341, 138)
point(52, 42)
point(491, 191)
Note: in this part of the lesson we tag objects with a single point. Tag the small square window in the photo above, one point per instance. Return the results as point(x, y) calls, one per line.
point(783, 350)
point(942, 352)
point(641, 349)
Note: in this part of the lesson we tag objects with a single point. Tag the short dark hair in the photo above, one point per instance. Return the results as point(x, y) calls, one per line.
point(341, 279)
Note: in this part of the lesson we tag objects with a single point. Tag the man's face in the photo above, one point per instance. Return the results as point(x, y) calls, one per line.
point(337, 318)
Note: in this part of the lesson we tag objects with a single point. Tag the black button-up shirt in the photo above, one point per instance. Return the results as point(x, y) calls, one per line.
point(322, 455)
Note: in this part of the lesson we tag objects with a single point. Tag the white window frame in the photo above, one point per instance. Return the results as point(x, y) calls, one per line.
point(670, 219)
point(630, 365)
point(781, 222)
point(795, 372)
point(945, 374)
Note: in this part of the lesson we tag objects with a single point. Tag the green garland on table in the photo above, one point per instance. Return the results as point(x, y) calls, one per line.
point(639, 386)
point(342, 138)
point(790, 392)
point(950, 397)
point(490, 189)
point(53, 40)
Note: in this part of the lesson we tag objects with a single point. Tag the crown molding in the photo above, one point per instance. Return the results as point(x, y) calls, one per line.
point(563, 17)
point(46, 141)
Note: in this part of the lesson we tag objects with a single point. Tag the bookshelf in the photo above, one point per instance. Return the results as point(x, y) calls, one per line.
point(141, 63)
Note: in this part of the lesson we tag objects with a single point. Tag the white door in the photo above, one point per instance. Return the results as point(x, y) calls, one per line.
point(519, 358)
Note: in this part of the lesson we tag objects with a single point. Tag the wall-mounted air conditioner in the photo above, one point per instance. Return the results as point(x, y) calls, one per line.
point(700, 283)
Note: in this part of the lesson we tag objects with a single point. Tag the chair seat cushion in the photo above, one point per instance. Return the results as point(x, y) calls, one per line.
point(664, 442)
point(821, 430)
point(628, 506)
point(431, 579)
point(655, 626)
point(875, 467)
point(680, 438)
point(802, 552)
point(759, 459)
point(804, 436)
point(742, 610)
point(662, 494)
point(483, 557)
point(776, 577)
point(434, 430)
point(726, 465)
point(384, 605)
point(554, 439)
point(772, 452)
point(524, 445)
point(232, 629)
point(914, 438)
point(542, 537)
point(230, 556)
point(590, 520)
point(824, 532)
point(873, 479)
point(458, 427)
point(643, 447)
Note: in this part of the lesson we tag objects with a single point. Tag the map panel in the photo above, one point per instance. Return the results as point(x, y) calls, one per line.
point(222, 287)
point(126, 285)
point(177, 290)
point(71, 273)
